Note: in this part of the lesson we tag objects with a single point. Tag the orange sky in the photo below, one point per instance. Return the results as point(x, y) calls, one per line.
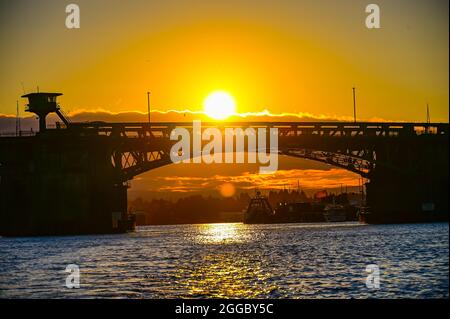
point(179, 180)
point(297, 58)
point(292, 56)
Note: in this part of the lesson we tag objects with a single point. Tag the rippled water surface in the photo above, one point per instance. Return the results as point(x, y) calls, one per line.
point(233, 260)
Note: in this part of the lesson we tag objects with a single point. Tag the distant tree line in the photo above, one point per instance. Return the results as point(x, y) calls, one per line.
point(199, 209)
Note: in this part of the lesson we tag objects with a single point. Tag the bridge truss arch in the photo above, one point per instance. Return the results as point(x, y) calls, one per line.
point(352, 163)
point(356, 147)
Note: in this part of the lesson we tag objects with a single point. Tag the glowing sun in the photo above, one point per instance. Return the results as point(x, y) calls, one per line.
point(219, 105)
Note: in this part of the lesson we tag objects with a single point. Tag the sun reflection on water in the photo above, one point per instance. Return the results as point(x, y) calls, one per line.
point(220, 233)
point(233, 261)
point(225, 276)
point(226, 273)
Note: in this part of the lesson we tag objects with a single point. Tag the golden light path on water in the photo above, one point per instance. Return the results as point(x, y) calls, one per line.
point(233, 261)
point(219, 233)
point(223, 275)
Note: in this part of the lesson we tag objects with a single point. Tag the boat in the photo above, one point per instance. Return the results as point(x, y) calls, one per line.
point(127, 225)
point(122, 223)
point(334, 213)
point(299, 212)
point(363, 214)
point(258, 211)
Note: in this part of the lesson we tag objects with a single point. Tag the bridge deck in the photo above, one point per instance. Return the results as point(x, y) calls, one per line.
point(284, 128)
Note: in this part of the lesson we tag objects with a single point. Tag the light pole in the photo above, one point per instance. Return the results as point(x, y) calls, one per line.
point(354, 105)
point(148, 106)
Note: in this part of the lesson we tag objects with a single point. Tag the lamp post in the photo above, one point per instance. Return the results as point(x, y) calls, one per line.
point(354, 104)
point(148, 106)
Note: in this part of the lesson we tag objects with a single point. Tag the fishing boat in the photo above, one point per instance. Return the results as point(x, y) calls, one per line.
point(258, 211)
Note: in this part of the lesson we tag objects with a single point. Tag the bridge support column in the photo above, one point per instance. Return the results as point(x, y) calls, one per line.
point(418, 191)
point(51, 186)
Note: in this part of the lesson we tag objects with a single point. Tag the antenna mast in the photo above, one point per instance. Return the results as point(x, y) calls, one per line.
point(17, 118)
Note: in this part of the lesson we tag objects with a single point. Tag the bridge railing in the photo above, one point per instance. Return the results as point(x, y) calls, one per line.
point(347, 129)
point(163, 129)
point(17, 134)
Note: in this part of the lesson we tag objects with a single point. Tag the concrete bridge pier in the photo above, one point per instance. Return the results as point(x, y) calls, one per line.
point(413, 183)
point(54, 186)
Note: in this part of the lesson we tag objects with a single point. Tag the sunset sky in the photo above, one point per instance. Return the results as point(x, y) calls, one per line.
point(292, 58)
point(175, 181)
point(284, 56)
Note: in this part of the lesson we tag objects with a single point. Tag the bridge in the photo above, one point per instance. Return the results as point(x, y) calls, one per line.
point(73, 178)
point(357, 147)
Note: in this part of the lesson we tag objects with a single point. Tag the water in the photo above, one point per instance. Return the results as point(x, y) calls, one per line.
point(233, 260)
